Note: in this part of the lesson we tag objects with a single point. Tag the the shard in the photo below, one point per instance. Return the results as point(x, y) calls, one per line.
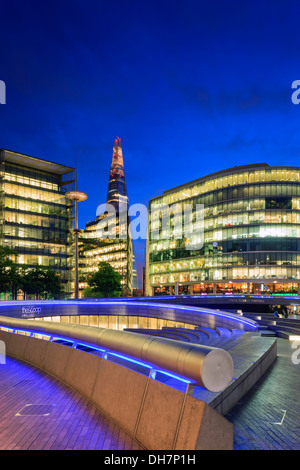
point(107, 238)
point(117, 191)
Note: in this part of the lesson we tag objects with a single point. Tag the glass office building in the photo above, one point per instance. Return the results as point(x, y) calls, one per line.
point(251, 234)
point(94, 250)
point(35, 216)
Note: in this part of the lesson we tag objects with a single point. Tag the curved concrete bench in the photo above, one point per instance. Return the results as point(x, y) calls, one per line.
point(213, 336)
point(163, 334)
point(224, 333)
point(193, 335)
point(157, 416)
point(220, 337)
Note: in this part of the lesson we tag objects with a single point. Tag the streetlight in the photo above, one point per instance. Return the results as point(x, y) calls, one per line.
point(76, 196)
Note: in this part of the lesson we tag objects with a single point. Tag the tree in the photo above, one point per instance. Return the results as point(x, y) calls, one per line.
point(105, 282)
point(52, 283)
point(10, 279)
point(41, 281)
point(89, 293)
point(33, 281)
point(14, 280)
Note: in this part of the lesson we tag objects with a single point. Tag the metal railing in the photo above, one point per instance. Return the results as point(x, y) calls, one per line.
point(209, 367)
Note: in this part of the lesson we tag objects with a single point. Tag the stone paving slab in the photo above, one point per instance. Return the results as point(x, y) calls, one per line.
point(247, 353)
point(72, 423)
point(268, 416)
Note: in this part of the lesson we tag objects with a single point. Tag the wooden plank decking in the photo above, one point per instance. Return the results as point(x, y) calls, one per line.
point(66, 421)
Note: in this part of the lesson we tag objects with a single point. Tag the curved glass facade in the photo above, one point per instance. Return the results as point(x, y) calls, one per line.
point(251, 241)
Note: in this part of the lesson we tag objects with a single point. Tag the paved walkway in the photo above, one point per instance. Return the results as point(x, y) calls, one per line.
point(38, 412)
point(268, 416)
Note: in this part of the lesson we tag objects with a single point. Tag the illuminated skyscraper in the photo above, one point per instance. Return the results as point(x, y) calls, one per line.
point(108, 238)
point(117, 192)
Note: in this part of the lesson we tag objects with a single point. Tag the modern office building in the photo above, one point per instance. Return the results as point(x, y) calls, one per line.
point(251, 234)
point(108, 238)
point(35, 216)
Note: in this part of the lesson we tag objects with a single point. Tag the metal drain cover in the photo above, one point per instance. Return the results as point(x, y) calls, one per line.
point(35, 410)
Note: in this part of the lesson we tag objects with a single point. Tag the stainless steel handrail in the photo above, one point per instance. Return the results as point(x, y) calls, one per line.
point(212, 368)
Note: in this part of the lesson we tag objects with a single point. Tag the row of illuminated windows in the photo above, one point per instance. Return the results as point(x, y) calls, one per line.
point(31, 181)
point(170, 215)
point(246, 259)
point(41, 233)
point(218, 274)
point(32, 260)
point(116, 264)
point(106, 248)
point(263, 231)
point(114, 233)
point(24, 245)
point(244, 206)
point(246, 177)
point(95, 260)
point(239, 192)
point(26, 205)
point(230, 246)
point(227, 233)
point(33, 219)
point(267, 217)
point(34, 193)
point(177, 224)
point(91, 251)
point(166, 215)
point(106, 228)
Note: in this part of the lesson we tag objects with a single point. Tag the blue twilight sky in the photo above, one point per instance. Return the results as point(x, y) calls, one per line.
point(190, 87)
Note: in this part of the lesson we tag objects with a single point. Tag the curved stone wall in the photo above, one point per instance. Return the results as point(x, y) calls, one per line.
point(156, 415)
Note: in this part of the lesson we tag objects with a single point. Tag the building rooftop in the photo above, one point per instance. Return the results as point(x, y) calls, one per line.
point(235, 169)
point(33, 162)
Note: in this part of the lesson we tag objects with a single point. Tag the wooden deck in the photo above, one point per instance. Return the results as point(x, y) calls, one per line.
point(38, 412)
